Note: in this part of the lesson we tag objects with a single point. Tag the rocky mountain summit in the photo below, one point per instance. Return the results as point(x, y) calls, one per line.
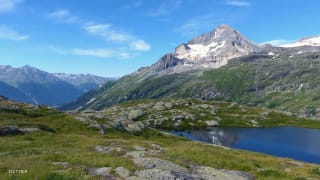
point(207, 51)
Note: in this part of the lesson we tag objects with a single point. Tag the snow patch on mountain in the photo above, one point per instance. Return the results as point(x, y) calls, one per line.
point(311, 41)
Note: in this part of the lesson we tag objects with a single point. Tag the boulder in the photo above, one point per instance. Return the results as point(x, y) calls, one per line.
point(65, 165)
point(99, 115)
point(135, 114)
point(29, 130)
point(178, 117)
point(209, 173)
point(204, 106)
point(10, 130)
point(97, 126)
point(136, 154)
point(134, 127)
point(155, 174)
point(139, 148)
point(212, 123)
point(159, 106)
point(104, 171)
point(158, 164)
point(168, 105)
point(103, 149)
point(122, 172)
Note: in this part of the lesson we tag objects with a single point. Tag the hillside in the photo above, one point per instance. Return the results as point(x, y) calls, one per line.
point(41, 143)
point(285, 79)
point(13, 93)
point(287, 83)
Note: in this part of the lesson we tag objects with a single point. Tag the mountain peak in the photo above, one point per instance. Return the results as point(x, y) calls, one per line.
point(215, 48)
point(207, 38)
point(28, 67)
point(224, 27)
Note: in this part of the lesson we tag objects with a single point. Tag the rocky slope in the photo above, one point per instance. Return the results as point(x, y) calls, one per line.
point(13, 93)
point(184, 114)
point(32, 85)
point(47, 144)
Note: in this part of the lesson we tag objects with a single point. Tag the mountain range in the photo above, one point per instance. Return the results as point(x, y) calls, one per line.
point(31, 85)
point(224, 65)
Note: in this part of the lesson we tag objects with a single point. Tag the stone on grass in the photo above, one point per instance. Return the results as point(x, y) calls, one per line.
point(10, 130)
point(122, 172)
point(212, 123)
point(135, 114)
point(209, 173)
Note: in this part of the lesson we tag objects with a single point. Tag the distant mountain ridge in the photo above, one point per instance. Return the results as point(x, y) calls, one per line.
point(85, 82)
point(31, 85)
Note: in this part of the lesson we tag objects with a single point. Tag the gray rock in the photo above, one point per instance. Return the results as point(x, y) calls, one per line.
point(204, 106)
point(202, 114)
point(134, 127)
point(29, 130)
point(212, 123)
point(99, 115)
point(178, 117)
point(135, 114)
point(10, 130)
point(209, 173)
point(168, 105)
point(254, 123)
point(177, 123)
point(97, 126)
point(156, 147)
point(104, 171)
point(136, 154)
point(65, 165)
point(213, 112)
point(159, 106)
point(191, 117)
point(155, 174)
point(158, 164)
point(83, 119)
point(122, 172)
point(103, 149)
point(89, 111)
point(139, 148)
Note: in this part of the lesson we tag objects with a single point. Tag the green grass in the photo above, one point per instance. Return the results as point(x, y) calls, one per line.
point(70, 141)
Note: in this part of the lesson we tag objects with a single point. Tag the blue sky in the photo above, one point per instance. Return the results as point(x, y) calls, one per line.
point(114, 38)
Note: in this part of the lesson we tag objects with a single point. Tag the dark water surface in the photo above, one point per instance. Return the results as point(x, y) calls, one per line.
point(297, 143)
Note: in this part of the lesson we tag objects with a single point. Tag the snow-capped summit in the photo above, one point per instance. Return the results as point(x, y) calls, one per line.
point(215, 48)
point(210, 50)
point(310, 41)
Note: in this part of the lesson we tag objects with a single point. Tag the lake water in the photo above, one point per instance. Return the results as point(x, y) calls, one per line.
point(297, 143)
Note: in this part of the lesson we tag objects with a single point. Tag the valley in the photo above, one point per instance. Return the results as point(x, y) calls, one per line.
point(143, 125)
point(32, 85)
